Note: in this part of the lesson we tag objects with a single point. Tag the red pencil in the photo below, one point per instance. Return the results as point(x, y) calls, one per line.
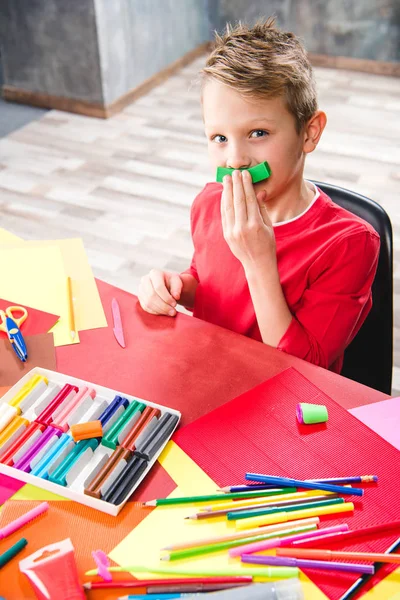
point(347, 535)
point(206, 583)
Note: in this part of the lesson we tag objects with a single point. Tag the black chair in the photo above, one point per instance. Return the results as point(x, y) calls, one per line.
point(369, 357)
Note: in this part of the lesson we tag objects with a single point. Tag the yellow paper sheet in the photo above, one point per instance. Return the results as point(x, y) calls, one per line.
point(6, 237)
point(35, 276)
point(166, 525)
point(31, 492)
point(88, 309)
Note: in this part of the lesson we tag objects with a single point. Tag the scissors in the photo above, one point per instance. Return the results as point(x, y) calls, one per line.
point(11, 324)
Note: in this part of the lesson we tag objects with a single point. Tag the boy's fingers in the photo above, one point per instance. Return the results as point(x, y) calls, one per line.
point(239, 198)
point(175, 286)
point(227, 204)
point(252, 206)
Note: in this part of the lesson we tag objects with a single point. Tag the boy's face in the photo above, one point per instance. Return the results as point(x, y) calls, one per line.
point(243, 132)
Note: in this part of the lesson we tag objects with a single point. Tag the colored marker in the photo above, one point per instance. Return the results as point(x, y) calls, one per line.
point(156, 586)
point(75, 408)
point(285, 540)
point(36, 451)
point(246, 514)
point(102, 482)
point(310, 495)
point(160, 434)
point(123, 425)
point(22, 444)
point(53, 457)
point(305, 484)
point(66, 394)
point(228, 571)
point(142, 428)
point(278, 561)
point(282, 517)
point(11, 552)
point(23, 520)
point(333, 554)
point(73, 458)
point(353, 533)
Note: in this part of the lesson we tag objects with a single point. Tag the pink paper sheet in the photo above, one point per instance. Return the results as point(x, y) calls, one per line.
point(383, 418)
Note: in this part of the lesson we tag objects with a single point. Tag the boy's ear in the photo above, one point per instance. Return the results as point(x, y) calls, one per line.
point(313, 131)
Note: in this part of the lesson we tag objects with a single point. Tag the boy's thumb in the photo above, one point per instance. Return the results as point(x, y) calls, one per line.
point(175, 286)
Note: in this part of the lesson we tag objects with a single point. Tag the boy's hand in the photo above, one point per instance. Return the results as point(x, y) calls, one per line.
point(246, 224)
point(159, 292)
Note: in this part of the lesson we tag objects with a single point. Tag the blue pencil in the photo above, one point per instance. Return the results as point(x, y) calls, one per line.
point(304, 484)
point(334, 480)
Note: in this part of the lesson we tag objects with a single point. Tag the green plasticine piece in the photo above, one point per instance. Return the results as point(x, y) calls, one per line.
point(258, 173)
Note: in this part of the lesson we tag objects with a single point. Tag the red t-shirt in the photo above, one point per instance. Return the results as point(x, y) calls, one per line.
point(327, 258)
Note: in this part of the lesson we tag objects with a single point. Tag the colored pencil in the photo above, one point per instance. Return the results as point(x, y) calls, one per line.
point(353, 533)
point(305, 484)
point(335, 480)
point(217, 497)
point(210, 514)
point(179, 584)
point(307, 564)
point(246, 514)
point(242, 534)
point(71, 314)
point(209, 549)
point(283, 541)
point(317, 554)
point(282, 517)
point(357, 585)
point(310, 494)
point(12, 551)
point(228, 571)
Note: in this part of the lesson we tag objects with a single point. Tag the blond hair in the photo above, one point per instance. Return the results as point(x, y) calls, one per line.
point(262, 61)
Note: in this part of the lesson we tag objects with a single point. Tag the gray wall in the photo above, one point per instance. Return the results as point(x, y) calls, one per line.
point(138, 38)
point(50, 46)
point(368, 29)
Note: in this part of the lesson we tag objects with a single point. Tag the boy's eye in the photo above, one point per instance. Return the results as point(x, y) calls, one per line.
point(219, 139)
point(258, 133)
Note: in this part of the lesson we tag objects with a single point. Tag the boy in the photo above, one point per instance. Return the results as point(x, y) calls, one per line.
point(277, 260)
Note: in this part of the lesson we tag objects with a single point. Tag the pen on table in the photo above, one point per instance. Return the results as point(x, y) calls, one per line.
point(357, 585)
point(280, 561)
point(12, 551)
point(317, 554)
point(23, 520)
point(71, 314)
point(334, 480)
point(304, 484)
point(342, 537)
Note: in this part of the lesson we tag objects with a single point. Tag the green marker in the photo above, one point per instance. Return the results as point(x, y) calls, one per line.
point(246, 514)
point(258, 173)
point(11, 552)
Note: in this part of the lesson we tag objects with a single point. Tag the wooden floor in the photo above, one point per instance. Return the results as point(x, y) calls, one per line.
point(125, 185)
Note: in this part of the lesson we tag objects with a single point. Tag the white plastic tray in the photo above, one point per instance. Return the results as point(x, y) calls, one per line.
point(75, 490)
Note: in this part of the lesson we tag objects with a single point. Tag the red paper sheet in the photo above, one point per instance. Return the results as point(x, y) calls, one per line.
point(38, 321)
point(258, 432)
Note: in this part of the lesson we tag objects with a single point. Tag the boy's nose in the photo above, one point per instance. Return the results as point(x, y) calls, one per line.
point(238, 162)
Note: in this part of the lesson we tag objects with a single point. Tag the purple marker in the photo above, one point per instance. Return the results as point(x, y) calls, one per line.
point(41, 445)
point(280, 561)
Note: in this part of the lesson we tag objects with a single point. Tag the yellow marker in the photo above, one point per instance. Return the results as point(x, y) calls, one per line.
point(283, 517)
point(12, 431)
point(264, 500)
point(24, 391)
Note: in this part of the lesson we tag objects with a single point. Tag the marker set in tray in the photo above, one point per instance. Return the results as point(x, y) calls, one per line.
point(39, 416)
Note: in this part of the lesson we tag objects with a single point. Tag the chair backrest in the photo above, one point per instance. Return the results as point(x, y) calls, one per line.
point(369, 357)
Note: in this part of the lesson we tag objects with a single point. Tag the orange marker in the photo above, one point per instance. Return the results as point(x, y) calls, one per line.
point(85, 431)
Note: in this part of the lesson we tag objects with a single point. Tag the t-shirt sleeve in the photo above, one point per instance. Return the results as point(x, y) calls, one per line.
point(337, 301)
point(192, 270)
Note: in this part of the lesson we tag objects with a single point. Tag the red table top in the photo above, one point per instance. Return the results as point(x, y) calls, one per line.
point(186, 363)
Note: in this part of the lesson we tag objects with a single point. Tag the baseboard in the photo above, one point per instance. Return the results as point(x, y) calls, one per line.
point(377, 67)
point(93, 109)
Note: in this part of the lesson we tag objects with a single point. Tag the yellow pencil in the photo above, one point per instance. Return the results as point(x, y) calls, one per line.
point(283, 517)
point(71, 309)
point(267, 500)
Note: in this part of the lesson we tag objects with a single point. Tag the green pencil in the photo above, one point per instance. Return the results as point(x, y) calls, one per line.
point(208, 549)
point(246, 514)
point(220, 497)
point(259, 572)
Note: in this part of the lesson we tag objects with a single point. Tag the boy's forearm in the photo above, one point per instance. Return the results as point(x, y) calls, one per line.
point(188, 293)
point(272, 312)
